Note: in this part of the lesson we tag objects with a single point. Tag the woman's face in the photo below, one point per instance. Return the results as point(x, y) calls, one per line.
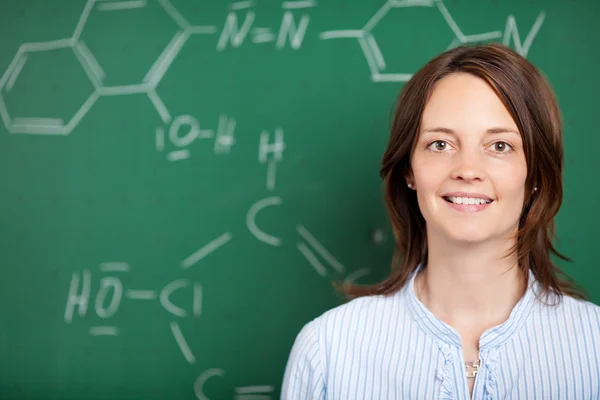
point(469, 150)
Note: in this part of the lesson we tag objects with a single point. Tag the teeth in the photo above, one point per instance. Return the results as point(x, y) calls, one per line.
point(468, 200)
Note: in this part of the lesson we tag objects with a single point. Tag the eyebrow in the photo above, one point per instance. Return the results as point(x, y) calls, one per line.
point(494, 130)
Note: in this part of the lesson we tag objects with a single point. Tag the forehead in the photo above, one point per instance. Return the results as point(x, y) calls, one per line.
point(464, 102)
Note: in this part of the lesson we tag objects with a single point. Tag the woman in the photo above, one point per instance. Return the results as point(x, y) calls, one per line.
point(474, 306)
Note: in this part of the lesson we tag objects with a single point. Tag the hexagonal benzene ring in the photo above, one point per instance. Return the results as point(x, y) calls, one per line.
point(44, 86)
point(123, 40)
point(437, 30)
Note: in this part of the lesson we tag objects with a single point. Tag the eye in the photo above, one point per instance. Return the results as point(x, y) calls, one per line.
point(502, 147)
point(438, 145)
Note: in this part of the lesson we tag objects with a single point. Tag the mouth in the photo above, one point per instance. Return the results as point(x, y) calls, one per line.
point(466, 200)
point(467, 204)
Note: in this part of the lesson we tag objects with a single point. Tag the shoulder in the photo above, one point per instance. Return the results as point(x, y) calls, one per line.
point(571, 318)
point(583, 312)
point(303, 376)
point(573, 310)
point(355, 318)
point(354, 312)
point(363, 312)
point(308, 363)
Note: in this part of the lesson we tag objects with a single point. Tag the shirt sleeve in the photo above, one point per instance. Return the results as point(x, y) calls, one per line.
point(303, 377)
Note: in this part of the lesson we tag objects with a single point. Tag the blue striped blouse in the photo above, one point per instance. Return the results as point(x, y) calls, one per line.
point(392, 347)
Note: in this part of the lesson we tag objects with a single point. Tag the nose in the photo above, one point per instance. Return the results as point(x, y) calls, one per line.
point(468, 165)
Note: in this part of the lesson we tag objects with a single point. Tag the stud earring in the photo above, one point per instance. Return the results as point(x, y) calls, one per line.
point(535, 189)
point(409, 185)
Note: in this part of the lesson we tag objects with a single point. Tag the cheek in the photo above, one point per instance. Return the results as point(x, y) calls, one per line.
point(429, 173)
point(427, 195)
point(509, 180)
point(510, 192)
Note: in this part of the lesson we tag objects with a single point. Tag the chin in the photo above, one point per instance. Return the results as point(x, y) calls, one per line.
point(468, 235)
point(460, 232)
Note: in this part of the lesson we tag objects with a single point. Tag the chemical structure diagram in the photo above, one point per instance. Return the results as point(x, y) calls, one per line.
point(233, 34)
point(111, 292)
point(111, 286)
point(376, 60)
point(178, 133)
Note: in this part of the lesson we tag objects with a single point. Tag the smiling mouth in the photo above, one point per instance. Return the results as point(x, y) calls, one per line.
point(466, 200)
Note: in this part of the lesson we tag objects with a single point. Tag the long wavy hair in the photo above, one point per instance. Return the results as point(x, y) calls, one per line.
point(530, 100)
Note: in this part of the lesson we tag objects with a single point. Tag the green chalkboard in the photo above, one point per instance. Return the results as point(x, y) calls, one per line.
point(182, 179)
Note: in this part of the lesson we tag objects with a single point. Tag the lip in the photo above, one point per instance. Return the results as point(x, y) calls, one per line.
point(473, 208)
point(467, 194)
point(470, 208)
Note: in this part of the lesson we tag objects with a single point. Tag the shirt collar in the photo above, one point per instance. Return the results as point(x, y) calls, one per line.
point(492, 337)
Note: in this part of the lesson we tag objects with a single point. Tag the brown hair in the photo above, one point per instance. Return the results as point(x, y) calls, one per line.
point(531, 102)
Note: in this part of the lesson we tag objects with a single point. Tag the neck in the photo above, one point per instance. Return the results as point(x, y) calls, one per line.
point(471, 285)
